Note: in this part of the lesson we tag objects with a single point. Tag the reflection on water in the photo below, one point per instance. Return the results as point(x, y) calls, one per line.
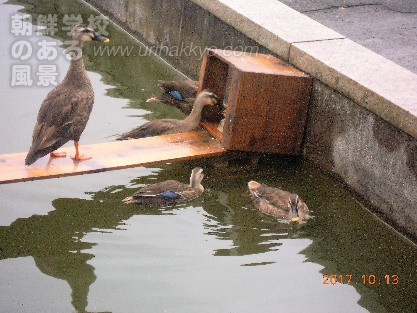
point(216, 253)
point(127, 239)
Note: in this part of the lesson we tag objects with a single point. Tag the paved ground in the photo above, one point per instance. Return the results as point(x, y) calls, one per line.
point(388, 27)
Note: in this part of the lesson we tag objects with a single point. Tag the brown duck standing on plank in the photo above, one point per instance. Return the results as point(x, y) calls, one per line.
point(278, 203)
point(172, 126)
point(179, 94)
point(66, 109)
point(170, 191)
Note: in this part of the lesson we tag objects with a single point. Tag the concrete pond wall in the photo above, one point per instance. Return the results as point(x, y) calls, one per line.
point(360, 130)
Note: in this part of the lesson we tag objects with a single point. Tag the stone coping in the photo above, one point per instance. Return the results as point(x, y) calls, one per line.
point(372, 81)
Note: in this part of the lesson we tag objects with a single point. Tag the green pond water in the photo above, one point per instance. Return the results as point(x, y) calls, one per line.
point(71, 245)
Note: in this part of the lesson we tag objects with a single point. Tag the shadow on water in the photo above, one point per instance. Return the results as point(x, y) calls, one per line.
point(346, 238)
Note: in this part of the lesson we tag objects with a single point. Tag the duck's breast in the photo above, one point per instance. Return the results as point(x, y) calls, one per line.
point(82, 104)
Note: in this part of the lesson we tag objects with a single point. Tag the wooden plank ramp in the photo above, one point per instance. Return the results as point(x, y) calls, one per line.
point(112, 156)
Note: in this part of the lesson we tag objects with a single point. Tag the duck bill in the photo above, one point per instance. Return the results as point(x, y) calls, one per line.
point(219, 104)
point(101, 39)
point(294, 217)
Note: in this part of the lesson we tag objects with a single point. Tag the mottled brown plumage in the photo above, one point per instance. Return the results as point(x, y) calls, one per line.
point(66, 109)
point(170, 191)
point(278, 203)
point(179, 94)
point(182, 94)
point(172, 126)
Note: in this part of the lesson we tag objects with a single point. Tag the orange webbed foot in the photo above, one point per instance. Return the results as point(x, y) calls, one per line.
point(57, 154)
point(81, 157)
point(78, 156)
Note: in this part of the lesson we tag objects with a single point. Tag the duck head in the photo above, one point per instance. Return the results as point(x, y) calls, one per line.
point(82, 33)
point(253, 185)
point(293, 205)
point(207, 97)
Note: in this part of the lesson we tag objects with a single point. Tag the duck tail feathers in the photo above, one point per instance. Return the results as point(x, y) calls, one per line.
point(44, 142)
point(122, 137)
point(30, 158)
point(34, 154)
point(196, 177)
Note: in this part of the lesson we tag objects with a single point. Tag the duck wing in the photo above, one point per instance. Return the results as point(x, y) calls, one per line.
point(60, 119)
point(180, 90)
point(150, 129)
point(169, 190)
point(185, 106)
point(274, 196)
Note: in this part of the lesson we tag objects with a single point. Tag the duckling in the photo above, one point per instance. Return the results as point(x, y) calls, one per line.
point(171, 126)
point(170, 191)
point(278, 203)
point(66, 109)
point(179, 94)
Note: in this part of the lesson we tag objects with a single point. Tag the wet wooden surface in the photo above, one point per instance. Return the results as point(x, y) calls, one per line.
point(212, 129)
point(256, 63)
point(111, 156)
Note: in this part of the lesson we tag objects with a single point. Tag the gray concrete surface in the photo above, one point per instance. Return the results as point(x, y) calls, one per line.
point(388, 27)
point(374, 158)
point(272, 24)
point(367, 78)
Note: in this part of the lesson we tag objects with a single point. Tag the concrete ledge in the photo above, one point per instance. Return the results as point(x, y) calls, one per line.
point(369, 79)
point(377, 84)
point(270, 23)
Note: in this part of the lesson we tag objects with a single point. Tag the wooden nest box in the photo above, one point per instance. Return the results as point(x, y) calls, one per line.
point(266, 101)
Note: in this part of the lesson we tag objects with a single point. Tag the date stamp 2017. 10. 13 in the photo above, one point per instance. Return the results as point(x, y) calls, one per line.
point(365, 279)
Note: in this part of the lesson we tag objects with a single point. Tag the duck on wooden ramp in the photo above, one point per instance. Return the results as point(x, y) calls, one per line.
point(65, 111)
point(113, 155)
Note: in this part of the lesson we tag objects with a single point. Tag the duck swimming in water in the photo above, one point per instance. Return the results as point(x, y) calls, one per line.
point(179, 94)
point(170, 191)
point(66, 109)
point(278, 203)
point(172, 126)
